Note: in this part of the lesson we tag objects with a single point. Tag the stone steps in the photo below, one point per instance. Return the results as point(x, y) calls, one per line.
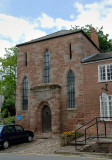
point(103, 145)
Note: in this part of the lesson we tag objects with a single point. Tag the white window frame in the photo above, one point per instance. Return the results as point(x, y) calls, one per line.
point(106, 75)
point(104, 107)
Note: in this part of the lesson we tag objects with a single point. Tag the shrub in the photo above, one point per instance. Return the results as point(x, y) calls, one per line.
point(67, 137)
point(9, 120)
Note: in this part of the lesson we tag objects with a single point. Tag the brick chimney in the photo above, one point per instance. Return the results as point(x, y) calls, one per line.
point(94, 37)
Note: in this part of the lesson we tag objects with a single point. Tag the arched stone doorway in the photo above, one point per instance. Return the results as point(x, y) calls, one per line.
point(46, 119)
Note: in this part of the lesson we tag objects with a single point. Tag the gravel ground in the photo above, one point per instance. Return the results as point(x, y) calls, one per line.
point(38, 146)
point(42, 146)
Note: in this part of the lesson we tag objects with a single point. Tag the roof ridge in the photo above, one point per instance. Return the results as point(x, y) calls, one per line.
point(59, 34)
point(48, 36)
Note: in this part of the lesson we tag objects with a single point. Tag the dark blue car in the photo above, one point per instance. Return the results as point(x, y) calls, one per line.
point(13, 134)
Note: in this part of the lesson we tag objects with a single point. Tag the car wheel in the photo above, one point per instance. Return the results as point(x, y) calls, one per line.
point(30, 138)
point(5, 144)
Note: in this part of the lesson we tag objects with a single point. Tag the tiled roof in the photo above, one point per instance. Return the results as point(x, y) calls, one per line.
point(57, 34)
point(50, 36)
point(97, 57)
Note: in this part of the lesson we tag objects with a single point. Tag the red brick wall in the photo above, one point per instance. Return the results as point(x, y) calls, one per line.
point(92, 89)
point(60, 66)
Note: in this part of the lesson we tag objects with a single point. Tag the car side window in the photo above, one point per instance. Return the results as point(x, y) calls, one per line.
point(19, 128)
point(11, 129)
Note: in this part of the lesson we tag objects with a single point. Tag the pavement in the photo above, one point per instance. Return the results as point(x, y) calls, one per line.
point(50, 146)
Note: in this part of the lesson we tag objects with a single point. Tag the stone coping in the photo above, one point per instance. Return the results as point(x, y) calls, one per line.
point(45, 86)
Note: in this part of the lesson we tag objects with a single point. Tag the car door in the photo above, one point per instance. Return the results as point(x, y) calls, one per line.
point(9, 133)
point(21, 135)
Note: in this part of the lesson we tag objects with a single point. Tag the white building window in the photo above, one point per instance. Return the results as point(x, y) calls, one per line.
point(106, 107)
point(105, 72)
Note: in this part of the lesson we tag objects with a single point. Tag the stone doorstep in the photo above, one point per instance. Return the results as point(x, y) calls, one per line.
point(43, 136)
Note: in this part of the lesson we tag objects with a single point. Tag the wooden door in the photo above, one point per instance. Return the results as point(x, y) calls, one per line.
point(46, 119)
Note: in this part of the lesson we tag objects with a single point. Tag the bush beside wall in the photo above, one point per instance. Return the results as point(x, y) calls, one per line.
point(67, 137)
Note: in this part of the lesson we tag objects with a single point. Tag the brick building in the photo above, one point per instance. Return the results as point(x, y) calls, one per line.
point(59, 83)
point(98, 88)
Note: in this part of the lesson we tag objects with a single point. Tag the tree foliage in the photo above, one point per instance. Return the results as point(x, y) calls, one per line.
point(8, 68)
point(104, 42)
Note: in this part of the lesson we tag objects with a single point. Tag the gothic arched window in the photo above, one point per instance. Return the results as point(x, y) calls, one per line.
point(25, 94)
point(47, 67)
point(71, 89)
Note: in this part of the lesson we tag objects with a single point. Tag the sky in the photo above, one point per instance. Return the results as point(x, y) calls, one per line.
point(24, 20)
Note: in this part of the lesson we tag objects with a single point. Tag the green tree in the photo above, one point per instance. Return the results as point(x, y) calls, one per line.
point(104, 42)
point(8, 67)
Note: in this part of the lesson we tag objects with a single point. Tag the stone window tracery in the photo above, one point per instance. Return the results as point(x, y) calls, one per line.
point(71, 89)
point(25, 94)
point(47, 66)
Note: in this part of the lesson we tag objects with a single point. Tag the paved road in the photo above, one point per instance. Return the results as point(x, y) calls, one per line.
point(10, 156)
